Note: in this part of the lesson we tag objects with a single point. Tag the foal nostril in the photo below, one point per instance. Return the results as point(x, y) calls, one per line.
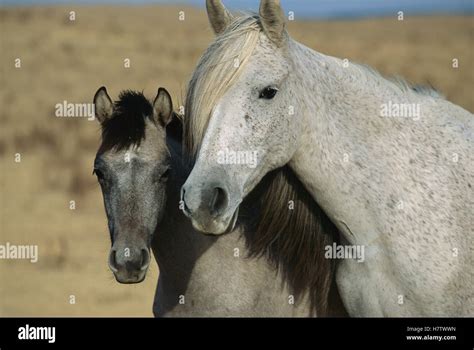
point(145, 259)
point(137, 260)
point(113, 261)
point(219, 201)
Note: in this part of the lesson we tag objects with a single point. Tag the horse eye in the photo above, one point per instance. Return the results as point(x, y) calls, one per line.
point(99, 174)
point(268, 93)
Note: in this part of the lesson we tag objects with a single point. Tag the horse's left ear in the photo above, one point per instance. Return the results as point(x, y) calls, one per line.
point(273, 20)
point(103, 105)
point(219, 16)
point(163, 107)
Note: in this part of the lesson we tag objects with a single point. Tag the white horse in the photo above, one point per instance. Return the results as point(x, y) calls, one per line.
point(390, 164)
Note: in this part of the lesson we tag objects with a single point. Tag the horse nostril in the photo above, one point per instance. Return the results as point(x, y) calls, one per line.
point(219, 201)
point(186, 210)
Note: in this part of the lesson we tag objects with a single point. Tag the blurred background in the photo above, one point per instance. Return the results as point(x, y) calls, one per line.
point(68, 60)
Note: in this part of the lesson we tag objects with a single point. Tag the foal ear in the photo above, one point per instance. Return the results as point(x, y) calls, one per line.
point(218, 15)
point(273, 20)
point(103, 105)
point(163, 107)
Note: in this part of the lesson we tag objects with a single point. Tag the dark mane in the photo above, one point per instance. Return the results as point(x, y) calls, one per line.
point(126, 127)
point(175, 128)
point(293, 240)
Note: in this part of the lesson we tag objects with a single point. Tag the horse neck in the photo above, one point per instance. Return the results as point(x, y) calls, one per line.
point(336, 93)
point(340, 108)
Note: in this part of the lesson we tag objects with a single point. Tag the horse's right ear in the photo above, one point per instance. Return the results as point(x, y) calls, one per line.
point(218, 15)
point(273, 20)
point(103, 105)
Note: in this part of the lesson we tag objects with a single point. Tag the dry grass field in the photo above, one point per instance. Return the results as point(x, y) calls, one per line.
point(68, 60)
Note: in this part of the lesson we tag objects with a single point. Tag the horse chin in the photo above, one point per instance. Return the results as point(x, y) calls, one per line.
point(217, 227)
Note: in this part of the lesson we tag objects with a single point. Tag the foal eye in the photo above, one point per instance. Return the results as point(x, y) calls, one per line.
point(165, 175)
point(159, 176)
point(99, 174)
point(268, 93)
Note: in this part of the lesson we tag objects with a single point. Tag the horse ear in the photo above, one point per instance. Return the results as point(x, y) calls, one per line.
point(103, 105)
point(163, 107)
point(219, 16)
point(273, 20)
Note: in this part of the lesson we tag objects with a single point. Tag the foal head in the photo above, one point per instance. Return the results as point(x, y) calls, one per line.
point(132, 165)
